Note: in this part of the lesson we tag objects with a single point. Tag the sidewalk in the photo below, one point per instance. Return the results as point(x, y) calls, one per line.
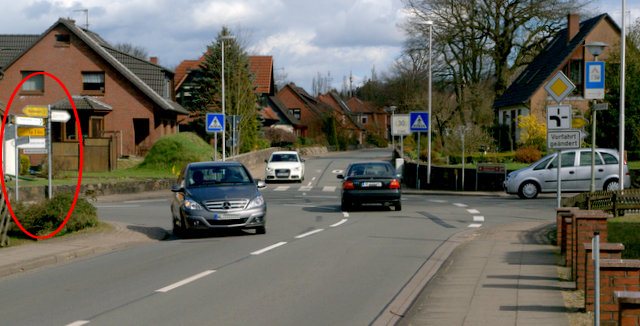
point(506, 275)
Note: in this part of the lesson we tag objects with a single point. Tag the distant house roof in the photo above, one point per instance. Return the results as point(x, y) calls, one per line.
point(149, 78)
point(342, 106)
point(549, 60)
point(261, 67)
point(82, 103)
point(358, 106)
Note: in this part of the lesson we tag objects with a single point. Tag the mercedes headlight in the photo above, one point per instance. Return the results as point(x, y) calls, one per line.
point(192, 205)
point(258, 201)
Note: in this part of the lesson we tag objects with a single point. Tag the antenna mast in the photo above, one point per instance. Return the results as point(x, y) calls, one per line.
point(86, 16)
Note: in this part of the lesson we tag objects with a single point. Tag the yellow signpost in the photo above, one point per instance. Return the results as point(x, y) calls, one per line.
point(31, 131)
point(36, 111)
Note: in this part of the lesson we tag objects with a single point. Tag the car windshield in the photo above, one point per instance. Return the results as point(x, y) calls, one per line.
point(207, 176)
point(284, 158)
point(370, 169)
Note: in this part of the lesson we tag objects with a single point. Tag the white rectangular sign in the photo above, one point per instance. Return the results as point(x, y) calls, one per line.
point(60, 116)
point(29, 121)
point(33, 142)
point(400, 125)
point(563, 139)
point(559, 117)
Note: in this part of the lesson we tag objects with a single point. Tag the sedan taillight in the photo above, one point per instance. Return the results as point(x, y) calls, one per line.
point(348, 185)
point(394, 184)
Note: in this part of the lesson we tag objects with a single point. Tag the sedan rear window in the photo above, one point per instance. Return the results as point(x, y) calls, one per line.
point(370, 170)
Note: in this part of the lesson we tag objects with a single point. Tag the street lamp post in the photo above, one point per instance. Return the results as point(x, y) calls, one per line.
point(430, 23)
point(392, 109)
point(595, 48)
point(224, 131)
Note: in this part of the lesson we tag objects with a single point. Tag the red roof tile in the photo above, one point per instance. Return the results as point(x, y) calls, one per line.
point(262, 67)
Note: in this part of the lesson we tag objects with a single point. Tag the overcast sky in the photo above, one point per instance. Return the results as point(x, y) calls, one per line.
point(305, 37)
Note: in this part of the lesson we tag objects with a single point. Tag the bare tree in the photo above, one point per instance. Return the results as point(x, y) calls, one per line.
point(136, 51)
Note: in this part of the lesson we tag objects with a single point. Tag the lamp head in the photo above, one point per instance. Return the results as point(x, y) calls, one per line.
point(596, 48)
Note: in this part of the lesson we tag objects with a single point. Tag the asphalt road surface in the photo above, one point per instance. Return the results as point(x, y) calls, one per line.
point(316, 265)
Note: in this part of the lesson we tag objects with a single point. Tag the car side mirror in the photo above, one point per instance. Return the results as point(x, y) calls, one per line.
point(340, 176)
point(261, 184)
point(266, 161)
point(177, 188)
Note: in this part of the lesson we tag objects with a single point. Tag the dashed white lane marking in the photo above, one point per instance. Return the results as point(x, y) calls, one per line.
point(475, 225)
point(78, 323)
point(263, 250)
point(345, 214)
point(329, 188)
point(281, 188)
point(460, 204)
point(473, 211)
point(308, 233)
point(185, 281)
point(478, 218)
point(344, 220)
point(116, 206)
point(312, 179)
point(305, 188)
point(437, 201)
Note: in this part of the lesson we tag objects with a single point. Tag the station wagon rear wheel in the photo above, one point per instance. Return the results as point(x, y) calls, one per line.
point(528, 190)
point(612, 185)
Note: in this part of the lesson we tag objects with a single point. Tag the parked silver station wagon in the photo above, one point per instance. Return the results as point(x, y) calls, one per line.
point(575, 174)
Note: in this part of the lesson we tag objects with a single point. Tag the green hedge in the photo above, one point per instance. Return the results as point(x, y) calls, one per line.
point(625, 230)
point(44, 217)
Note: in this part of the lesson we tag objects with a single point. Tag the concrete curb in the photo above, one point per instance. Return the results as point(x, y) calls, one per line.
point(403, 301)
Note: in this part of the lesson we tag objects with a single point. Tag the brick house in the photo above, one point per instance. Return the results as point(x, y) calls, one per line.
point(374, 119)
point(119, 97)
point(348, 121)
point(566, 53)
point(272, 112)
point(305, 108)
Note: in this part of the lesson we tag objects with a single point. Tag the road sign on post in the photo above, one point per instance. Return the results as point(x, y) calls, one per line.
point(400, 125)
point(559, 117)
point(563, 139)
point(594, 80)
point(215, 122)
point(60, 116)
point(559, 86)
point(419, 121)
point(36, 111)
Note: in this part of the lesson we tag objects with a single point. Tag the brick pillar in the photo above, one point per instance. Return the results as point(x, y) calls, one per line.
point(584, 279)
point(628, 307)
point(563, 223)
point(585, 223)
point(615, 275)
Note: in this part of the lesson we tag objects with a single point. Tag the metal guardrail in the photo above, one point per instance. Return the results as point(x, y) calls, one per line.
point(617, 202)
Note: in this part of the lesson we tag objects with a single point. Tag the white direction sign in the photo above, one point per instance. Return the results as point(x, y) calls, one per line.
point(400, 125)
point(29, 121)
point(559, 117)
point(60, 116)
point(564, 139)
point(32, 142)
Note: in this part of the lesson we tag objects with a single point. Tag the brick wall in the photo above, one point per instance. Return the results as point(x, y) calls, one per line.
point(615, 275)
point(585, 271)
point(628, 307)
point(585, 223)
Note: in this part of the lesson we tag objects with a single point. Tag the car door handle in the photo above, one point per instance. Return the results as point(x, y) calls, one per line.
point(572, 172)
point(600, 170)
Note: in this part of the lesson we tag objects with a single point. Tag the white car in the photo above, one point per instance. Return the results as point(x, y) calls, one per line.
point(284, 165)
point(542, 176)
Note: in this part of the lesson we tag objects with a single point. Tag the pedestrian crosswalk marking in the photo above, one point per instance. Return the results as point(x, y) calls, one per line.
point(419, 123)
point(329, 188)
point(215, 124)
point(281, 188)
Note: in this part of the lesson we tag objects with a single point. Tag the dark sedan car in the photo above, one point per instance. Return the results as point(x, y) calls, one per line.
point(217, 195)
point(370, 183)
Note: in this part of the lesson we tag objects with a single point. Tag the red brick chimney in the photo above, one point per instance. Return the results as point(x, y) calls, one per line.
point(573, 26)
point(153, 60)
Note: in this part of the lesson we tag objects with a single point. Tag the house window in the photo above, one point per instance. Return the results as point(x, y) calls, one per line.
point(63, 39)
point(295, 113)
point(574, 70)
point(93, 82)
point(364, 119)
point(34, 85)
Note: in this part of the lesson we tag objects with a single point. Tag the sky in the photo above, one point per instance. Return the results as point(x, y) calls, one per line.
point(336, 38)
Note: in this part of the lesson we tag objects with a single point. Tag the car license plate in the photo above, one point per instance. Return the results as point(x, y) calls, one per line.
point(282, 174)
point(372, 184)
point(224, 217)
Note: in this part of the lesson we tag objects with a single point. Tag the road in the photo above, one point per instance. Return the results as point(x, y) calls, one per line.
point(316, 265)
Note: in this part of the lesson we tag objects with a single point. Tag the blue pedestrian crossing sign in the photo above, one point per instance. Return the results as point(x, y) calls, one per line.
point(419, 121)
point(215, 122)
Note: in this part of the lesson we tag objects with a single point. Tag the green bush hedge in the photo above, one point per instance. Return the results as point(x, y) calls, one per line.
point(44, 217)
point(625, 230)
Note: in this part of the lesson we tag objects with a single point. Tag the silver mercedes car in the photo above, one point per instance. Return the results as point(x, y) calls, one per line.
point(217, 195)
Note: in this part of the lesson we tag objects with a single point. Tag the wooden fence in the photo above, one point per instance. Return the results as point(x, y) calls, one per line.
point(5, 222)
point(617, 202)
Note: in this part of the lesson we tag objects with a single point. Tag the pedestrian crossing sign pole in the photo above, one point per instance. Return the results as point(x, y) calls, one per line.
point(215, 124)
point(418, 121)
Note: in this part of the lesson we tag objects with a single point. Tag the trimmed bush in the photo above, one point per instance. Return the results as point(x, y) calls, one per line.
point(44, 217)
point(625, 230)
point(527, 154)
point(175, 151)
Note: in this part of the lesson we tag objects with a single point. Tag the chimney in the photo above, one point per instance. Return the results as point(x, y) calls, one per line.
point(153, 60)
point(573, 26)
